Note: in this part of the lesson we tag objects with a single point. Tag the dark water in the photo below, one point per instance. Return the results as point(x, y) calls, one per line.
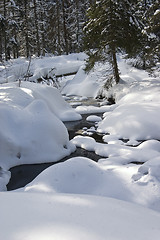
point(24, 174)
point(76, 127)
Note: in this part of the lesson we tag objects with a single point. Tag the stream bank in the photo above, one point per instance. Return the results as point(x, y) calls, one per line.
point(23, 174)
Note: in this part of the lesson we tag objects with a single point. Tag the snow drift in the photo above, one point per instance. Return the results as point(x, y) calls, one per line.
point(31, 127)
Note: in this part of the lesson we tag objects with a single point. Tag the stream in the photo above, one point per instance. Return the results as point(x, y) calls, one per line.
point(23, 174)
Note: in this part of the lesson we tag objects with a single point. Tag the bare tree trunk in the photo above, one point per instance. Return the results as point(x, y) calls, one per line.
point(77, 23)
point(115, 65)
point(37, 28)
point(26, 29)
point(43, 42)
point(4, 30)
point(58, 28)
point(0, 45)
point(65, 28)
point(112, 47)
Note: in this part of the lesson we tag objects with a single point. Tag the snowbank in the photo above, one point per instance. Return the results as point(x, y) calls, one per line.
point(82, 85)
point(108, 178)
point(31, 127)
point(16, 69)
point(136, 116)
point(4, 179)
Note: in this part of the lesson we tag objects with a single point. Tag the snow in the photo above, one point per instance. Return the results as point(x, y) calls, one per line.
point(139, 154)
point(93, 109)
point(31, 127)
point(16, 69)
point(116, 197)
point(157, 12)
point(94, 118)
point(82, 85)
point(136, 114)
point(61, 216)
point(4, 178)
point(80, 175)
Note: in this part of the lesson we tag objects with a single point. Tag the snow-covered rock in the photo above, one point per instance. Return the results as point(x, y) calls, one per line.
point(94, 118)
point(31, 127)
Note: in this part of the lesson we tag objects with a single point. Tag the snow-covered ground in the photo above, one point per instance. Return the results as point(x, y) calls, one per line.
point(16, 69)
point(69, 217)
point(116, 198)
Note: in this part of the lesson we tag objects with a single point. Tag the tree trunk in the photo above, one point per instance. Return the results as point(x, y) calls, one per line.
point(37, 28)
point(26, 29)
point(65, 28)
point(112, 45)
point(77, 23)
point(0, 45)
point(43, 42)
point(115, 65)
point(4, 30)
point(58, 28)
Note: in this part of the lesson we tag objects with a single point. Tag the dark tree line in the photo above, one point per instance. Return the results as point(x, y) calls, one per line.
point(36, 27)
point(102, 28)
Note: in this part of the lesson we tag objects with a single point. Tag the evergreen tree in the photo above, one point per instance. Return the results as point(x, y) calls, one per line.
point(111, 27)
point(154, 29)
point(145, 11)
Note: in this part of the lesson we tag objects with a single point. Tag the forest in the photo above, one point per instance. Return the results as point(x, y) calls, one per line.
point(102, 28)
point(33, 27)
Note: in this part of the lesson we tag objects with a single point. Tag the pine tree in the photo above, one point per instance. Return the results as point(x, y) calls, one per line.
point(34, 27)
point(36, 21)
point(145, 52)
point(110, 27)
point(154, 29)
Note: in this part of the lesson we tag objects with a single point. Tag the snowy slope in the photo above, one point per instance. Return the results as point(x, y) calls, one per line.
point(61, 216)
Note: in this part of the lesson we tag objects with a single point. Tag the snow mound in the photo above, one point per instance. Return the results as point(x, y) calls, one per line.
point(54, 100)
point(94, 118)
point(31, 127)
point(107, 178)
point(135, 117)
point(82, 85)
point(77, 175)
point(117, 151)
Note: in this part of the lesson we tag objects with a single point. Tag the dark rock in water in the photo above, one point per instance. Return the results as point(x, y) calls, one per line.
point(111, 100)
point(137, 163)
